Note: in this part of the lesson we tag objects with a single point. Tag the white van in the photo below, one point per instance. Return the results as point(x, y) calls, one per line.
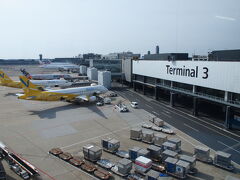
point(134, 104)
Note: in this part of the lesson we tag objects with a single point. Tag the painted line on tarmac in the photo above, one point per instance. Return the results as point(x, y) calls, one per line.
point(166, 111)
point(96, 137)
point(229, 147)
point(186, 140)
point(149, 106)
point(165, 114)
point(190, 127)
point(155, 113)
point(163, 106)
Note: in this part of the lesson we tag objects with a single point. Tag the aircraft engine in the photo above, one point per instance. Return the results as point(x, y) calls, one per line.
point(92, 98)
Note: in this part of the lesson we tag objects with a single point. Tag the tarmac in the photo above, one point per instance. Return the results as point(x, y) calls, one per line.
point(32, 128)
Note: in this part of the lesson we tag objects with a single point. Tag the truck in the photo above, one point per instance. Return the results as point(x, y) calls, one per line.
point(121, 107)
point(19, 171)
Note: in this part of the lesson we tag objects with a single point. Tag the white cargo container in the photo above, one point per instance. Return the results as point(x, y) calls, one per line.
point(159, 139)
point(142, 164)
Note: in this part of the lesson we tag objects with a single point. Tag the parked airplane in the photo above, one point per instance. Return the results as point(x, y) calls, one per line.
point(59, 66)
point(87, 93)
point(44, 76)
point(7, 81)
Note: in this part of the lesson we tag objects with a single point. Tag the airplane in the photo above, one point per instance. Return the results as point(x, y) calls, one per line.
point(44, 76)
point(59, 66)
point(7, 81)
point(79, 94)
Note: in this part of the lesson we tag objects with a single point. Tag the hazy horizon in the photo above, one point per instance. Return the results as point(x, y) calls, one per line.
point(61, 28)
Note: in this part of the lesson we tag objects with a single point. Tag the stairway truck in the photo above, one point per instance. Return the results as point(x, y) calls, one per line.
point(110, 144)
point(142, 164)
point(92, 153)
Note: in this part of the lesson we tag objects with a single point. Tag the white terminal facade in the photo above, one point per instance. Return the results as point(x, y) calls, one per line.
point(213, 81)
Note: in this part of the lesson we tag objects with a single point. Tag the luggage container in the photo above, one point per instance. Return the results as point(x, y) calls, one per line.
point(168, 153)
point(169, 146)
point(158, 122)
point(110, 144)
point(154, 152)
point(143, 152)
point(159, 139)
point(147, 136)
point(133, 153)
point(136, 134)
point(202, 154)
point(152, 175)
point(182, 168)
point(170, 165)
point(142, 164)
point(177, 142)
point(223, 160)
point(123, 167)
point(192, 162)
point(92, 153)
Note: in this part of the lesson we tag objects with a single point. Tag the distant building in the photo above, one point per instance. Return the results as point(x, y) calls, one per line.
point(92, 56)
point(199, 58)
point(18, 61)
point(224, 55)
point(122, 55)
point(166, 56)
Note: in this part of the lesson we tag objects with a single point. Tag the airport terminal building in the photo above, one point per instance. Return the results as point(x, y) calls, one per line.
point(211, 86)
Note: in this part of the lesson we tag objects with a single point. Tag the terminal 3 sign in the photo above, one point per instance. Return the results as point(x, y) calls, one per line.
point(211, 74)
point(183, 71)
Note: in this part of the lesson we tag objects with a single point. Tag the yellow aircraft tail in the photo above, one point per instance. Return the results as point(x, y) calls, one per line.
point(28, 87)
point(4, 78)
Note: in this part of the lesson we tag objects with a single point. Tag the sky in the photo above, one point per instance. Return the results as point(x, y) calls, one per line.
point(66, 28)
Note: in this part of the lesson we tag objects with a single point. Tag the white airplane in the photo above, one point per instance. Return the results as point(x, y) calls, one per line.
point(7, 81)
point(87, 93)
point(59, 66)
point(44, 76)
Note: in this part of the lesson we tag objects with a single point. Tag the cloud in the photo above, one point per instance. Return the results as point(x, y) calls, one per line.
point(225, 18)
